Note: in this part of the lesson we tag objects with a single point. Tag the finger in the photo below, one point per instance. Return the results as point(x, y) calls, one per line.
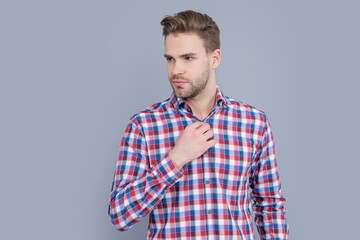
point(203, 128)
point(210, 143)
point(208, 134)
point(196, 125)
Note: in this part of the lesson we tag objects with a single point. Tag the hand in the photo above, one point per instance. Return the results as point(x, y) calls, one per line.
point(192, 143)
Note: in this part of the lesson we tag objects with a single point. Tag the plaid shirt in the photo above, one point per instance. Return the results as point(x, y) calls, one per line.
point(211, 197)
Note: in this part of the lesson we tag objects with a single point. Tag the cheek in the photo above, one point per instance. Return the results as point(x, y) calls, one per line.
point(193, 68)
point(199, 69)
point(169, 69)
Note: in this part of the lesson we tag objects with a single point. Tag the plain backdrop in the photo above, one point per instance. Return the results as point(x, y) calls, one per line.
point(73, 73)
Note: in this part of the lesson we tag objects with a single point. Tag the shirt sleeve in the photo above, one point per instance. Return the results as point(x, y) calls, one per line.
point(138, 188)
point(268, 202)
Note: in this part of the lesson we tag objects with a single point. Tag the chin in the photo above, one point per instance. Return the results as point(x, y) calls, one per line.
point(179, 91)
point(180, 94)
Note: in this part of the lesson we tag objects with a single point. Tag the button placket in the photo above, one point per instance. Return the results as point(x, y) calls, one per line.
point(208, 190)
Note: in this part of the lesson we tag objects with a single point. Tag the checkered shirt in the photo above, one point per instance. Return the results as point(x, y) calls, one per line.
point(211, 197)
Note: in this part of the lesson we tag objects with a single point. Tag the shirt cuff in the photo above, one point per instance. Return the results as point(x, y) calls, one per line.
point(165, 172)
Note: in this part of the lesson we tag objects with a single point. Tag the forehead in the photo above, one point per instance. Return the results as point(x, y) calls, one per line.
point(182, 43)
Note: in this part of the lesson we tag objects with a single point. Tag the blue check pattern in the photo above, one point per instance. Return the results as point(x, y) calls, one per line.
point(212, 196)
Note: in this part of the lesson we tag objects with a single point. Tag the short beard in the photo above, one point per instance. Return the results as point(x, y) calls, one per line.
point(197, 86)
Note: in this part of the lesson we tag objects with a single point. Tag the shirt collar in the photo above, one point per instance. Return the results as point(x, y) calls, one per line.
point(180, 103)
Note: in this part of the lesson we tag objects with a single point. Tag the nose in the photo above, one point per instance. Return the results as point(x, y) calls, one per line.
point(177, 68)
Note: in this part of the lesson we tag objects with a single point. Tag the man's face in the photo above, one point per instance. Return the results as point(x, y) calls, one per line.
point(188, 64)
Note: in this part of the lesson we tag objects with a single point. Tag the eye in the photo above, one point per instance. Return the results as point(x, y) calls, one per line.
point(169, 59)
point(188, 58)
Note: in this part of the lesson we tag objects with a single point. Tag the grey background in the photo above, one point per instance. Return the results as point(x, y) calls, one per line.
point(73, 72)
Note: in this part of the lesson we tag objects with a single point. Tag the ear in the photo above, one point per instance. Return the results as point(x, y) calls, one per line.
point(215, 58)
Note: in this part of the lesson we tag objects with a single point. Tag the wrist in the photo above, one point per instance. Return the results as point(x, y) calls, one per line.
point(176, 160)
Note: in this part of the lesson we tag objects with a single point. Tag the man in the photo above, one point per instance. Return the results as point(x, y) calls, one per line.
point(197, 161)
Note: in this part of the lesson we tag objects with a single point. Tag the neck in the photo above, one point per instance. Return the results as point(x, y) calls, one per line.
point(204, 103)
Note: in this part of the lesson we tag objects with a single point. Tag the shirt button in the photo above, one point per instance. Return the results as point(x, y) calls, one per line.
point(207, 181)
point(209, 211)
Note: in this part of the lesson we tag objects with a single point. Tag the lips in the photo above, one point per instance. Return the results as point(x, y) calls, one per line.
point(179, 83)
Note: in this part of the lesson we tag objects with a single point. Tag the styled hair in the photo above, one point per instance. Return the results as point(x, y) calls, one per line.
point(193, 22)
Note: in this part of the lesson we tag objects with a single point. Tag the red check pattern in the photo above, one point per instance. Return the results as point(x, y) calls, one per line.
point(211, 197)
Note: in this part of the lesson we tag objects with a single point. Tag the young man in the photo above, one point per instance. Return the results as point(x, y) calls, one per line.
point(197, 161)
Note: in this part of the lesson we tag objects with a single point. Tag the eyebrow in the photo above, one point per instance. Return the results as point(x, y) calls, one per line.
point(183, 55)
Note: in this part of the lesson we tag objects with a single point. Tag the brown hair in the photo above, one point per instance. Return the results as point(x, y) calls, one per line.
point(191, 21)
